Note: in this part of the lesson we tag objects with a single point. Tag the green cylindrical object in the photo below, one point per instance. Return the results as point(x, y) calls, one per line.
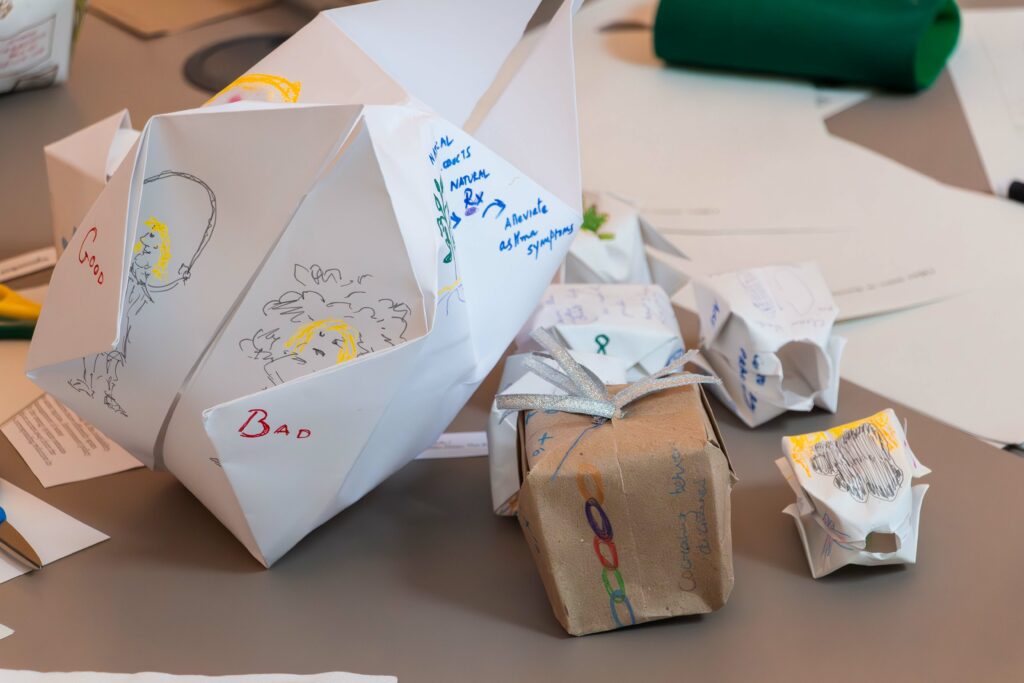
point(895, 44)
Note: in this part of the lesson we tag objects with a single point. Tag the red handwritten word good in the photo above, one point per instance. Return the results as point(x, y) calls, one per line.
point(256, 426)
point(591, 487)
point(87, 259)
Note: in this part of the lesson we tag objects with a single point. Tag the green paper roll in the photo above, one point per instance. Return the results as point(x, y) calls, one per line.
point(894, 44)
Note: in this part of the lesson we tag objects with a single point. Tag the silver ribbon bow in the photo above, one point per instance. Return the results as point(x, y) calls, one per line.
point(586, 394)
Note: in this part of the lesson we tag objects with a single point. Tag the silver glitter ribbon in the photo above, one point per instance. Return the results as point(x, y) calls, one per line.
point(586, 394)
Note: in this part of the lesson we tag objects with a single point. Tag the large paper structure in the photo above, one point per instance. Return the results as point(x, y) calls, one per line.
point(285, 296)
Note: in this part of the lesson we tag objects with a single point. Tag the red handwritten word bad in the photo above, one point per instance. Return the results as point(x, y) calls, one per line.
point(89, 260)
point(256, 426)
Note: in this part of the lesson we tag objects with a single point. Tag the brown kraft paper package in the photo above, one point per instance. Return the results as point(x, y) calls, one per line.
point(628, 520)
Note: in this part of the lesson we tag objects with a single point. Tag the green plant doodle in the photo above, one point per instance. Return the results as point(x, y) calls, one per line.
point(593, 220)
point(444, 223)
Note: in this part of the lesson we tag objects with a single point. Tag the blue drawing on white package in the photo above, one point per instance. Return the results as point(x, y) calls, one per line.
point(151, 274)
point(326, 320)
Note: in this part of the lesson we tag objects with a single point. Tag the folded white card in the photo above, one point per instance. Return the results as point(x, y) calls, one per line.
point(634, 323)
point(51, 533)
point(767, 333)
point(502, 427)
point(283, 342)
point(854, 502)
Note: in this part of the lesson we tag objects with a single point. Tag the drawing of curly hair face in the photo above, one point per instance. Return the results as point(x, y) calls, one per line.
point(331, 320)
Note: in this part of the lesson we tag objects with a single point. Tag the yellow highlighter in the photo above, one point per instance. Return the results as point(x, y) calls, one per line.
point(14, 306)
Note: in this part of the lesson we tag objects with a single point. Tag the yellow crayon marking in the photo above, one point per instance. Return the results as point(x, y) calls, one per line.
point(445, 290)
point(268, 84)
point(346, 352)
point(154, 225)
point(801, 447)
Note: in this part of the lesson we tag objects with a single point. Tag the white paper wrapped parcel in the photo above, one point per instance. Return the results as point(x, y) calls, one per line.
point(767, 333)
point(626, 249)
point(35, 43)
point(284, 297)
point(503, 454)
point(79, 166)
point(854, 499)
point(635, 323)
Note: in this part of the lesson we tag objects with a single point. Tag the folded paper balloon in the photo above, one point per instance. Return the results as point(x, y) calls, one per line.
point(767, 333)
point(502, 443)
point(284, 297)
point(635, 323)
point(613, 244)
point(625, 498)
point(79, 166)
point(854, 502)
point(895, 44)
point(35, 42)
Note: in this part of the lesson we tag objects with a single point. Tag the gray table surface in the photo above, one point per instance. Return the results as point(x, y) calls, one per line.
point(420, 580)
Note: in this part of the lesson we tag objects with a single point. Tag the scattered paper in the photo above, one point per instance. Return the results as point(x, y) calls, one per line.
point(831, 101)
point(610, 246)
point(60, 447)
point(27, 263)
point(5, 631)
point(767, 333)
point(457, 445)
point(634, 323)
point(12, 676)
point(986, 70)
point(855, 504)
point(53, 534)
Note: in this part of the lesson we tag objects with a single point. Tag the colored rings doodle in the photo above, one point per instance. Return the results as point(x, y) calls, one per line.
point(602, 343)
point(591, 488)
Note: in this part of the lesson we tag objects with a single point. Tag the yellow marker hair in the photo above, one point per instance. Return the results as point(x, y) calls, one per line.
point(160, 267)
point(298, 341)
point(287, 91)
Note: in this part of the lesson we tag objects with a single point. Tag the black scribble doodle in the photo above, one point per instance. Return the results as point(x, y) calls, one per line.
point(328, 319)
point(147, 282)
point(861, 463)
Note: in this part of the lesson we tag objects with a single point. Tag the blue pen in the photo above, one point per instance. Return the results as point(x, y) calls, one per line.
point(16, 545)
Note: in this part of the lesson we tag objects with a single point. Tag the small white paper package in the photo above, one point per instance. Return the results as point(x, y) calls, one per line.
point(618, 246)
point(79, 166)
point(502, 449)
point(35, 43)
point(634, 323)
point(767, 333)
point(854, 500)
point(285, 296)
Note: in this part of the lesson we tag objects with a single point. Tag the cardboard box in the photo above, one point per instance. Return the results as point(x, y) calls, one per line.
point(628, 520)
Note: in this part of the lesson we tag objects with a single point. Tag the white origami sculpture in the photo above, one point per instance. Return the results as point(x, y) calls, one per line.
point(284, 297)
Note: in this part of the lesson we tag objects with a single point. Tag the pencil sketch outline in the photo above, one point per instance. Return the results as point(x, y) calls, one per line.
point(860, 464)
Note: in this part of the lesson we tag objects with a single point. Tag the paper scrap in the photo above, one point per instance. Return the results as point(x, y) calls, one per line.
point(11, 676)
point(52, 533)
point(986, 71)
point(5, 631)
point(457, 445)
point(27, 263)
point(60, 447)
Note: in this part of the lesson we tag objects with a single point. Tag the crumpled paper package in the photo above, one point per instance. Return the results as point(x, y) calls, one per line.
point(502, 442)
point(635, 323)
point(615, 246)
point(854, 499)
point(35, 43)
point(628, 520)
point(767, 333)
point(284, 297)
point(79, 166)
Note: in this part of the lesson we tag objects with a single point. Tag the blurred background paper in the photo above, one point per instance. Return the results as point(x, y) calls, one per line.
point(5, 631)
point(151, 18)
point(988, 71)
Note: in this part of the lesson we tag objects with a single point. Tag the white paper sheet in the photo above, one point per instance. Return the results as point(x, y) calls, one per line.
point(986, 70)
point(13, 676)
point(5, 631)
point(457, 445)
point(831, 101)
point(53, 534)
point(27, 263)
point(60, 447)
